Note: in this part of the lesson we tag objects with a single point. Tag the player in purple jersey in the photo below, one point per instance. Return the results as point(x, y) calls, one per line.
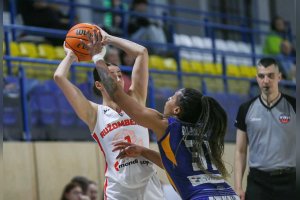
point(190, 135)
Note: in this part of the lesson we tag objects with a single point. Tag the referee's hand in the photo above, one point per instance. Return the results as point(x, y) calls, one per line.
point(241, 193)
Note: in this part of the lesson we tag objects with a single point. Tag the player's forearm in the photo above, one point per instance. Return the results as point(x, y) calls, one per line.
point(239, 169)
point(107, 80)
point(129, 47)
point(64, 67)
point(153, 156)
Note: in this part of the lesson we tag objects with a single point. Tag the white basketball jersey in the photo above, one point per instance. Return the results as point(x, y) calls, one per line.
point(113, 126)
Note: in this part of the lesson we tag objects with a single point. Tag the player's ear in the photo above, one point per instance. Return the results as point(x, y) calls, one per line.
point(176, 110)
point(99, 85)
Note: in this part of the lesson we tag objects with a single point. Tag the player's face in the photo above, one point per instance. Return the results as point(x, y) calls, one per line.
point(171, 107)
point(268, 79)
point(117, 74)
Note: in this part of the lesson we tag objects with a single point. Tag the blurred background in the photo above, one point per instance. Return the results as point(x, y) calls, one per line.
point(210, 45)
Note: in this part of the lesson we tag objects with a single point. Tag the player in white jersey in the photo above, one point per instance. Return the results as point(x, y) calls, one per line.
point(129, 178)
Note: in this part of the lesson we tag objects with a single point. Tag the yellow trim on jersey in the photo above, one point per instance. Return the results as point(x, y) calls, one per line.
point(165, 144)
point(171, 181)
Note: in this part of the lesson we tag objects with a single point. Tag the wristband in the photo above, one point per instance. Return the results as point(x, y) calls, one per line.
point(99, 56)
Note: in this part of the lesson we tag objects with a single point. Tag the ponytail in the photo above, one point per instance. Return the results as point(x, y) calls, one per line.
point(214, 120)
point(209, 122)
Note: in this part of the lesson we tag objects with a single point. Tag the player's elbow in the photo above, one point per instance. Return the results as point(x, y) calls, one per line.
point(56, 77)
point(240, 152)
point(143, 51)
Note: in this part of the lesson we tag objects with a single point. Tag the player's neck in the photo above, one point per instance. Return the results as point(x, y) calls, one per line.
point(111, 104)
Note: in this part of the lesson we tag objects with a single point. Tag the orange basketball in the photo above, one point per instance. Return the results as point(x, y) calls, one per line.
point(80, 31)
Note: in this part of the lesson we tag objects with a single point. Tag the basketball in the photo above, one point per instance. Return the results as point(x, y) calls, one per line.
point(80, 31)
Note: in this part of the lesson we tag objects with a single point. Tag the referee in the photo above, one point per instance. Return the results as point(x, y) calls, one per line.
point(267, 123)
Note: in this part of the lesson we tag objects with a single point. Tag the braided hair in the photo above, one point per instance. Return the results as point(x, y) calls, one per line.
point(209, 120)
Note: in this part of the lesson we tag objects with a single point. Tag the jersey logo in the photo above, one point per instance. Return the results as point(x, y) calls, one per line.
point(119, 166)
point(105, 111)
point(254, 119)
point(284, 118)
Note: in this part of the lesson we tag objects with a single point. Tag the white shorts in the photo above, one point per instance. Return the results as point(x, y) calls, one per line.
point(151, 191)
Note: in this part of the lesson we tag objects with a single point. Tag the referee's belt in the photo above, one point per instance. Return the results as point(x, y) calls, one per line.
point(276, 172)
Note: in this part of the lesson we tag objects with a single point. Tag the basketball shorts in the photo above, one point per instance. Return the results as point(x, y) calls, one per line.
point(152, 190)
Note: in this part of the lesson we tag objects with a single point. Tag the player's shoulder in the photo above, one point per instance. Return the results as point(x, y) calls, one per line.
point(137, 97)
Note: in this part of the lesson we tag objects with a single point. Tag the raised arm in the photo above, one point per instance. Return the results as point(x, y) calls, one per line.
point(142, 115)
point(146, 117)
point(240, 162)
point(85, 109)
point(140, 74)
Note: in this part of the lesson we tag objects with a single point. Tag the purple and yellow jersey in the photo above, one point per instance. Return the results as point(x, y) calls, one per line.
point(180, 164)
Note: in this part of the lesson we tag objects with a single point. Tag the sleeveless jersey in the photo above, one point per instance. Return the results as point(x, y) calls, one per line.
point(183, 173)
point(113, 126)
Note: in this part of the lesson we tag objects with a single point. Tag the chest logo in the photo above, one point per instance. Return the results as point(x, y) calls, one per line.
point(284, 118)
point(105, 111)
point(255, 119)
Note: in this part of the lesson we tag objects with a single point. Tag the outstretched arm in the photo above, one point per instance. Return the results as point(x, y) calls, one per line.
point(140, 74)
point(128, 149)
point(139, 113)
point(85, 109)
point(142, 115)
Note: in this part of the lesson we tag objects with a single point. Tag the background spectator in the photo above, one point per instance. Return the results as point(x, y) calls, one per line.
point(287, 61)
point(92, 190)
point(43, 14)
point(72, 191)
point(142, 28)
point(274, 39)
point(114, 22)
point(83, 182)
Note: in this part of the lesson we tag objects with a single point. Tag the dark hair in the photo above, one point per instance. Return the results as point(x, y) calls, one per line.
point(211, 119)
point(70, 186)
point(92, 182)
point(267, 61)
point(97, 78)
point(82, 181)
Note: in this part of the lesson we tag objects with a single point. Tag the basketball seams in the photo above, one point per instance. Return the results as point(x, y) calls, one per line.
point(80, 28)
point(76, 38)
point(73, 45)
point(75, 51)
